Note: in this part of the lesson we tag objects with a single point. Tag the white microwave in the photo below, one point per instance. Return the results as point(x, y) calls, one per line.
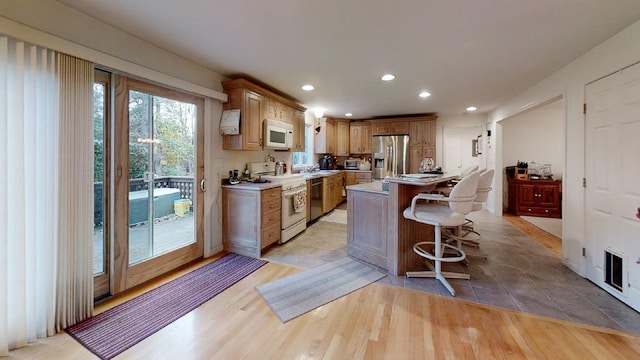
point(277, 135)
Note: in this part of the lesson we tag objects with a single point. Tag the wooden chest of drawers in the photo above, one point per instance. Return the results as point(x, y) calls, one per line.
point(535, 197)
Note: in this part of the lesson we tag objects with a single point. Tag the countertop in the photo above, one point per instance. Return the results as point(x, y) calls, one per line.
point(421, 181)
point(252, 186)
point(373, 187)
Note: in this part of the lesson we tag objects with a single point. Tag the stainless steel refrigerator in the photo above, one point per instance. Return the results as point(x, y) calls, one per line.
point(390, 155)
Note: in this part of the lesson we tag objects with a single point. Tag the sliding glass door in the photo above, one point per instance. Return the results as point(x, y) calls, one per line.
point(148, 167)
point(161, 175)
point(101, 149)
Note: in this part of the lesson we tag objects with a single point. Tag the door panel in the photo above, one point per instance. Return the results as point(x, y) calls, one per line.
point(158, 162)
point(612, 172)
point(101, 151)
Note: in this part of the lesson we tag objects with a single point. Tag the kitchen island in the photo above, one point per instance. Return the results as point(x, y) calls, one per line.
point(377, 232)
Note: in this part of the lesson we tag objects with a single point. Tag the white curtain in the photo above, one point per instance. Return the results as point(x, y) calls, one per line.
point(45, 227)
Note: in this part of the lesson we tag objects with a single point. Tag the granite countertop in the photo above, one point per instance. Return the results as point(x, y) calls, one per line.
point(252, 186)
point(373, 187)
point(430, 180)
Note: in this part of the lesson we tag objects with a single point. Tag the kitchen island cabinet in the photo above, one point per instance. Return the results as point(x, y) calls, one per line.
point(391, 249)
point(367, 209)
point(250, 218)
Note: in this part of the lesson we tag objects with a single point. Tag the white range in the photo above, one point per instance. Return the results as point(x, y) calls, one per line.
point(292, 222)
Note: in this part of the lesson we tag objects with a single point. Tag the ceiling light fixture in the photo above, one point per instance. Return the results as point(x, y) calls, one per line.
point(348, 114)
point(472, 108)
point(307, 87)
point(388, 77)
point(318, 112)
point(424, 94)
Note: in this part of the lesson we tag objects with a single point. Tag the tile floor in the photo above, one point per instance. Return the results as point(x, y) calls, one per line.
point(519, 274)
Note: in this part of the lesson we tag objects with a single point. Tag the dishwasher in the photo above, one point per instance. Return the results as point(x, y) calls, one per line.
point(316, 198)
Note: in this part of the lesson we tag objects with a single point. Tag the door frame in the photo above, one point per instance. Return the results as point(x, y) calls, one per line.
point(125, 276)
point(101, 282)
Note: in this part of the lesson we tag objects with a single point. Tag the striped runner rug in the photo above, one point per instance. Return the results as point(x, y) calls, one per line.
point(117, 329)
point(300, 293)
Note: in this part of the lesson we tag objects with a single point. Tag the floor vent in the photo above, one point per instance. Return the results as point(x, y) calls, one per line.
point(613, 270)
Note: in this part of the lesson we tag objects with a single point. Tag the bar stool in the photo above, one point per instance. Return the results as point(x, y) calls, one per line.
point(469, 235)
point(445, 190)
point(450, 215)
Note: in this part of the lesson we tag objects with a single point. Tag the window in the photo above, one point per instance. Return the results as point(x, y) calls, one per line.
point(306, 157)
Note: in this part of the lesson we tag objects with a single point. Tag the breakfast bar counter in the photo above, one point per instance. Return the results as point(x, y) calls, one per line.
point(377, 232)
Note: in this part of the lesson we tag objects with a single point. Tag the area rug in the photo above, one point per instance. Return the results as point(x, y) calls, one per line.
point(115, 330)
point(300, 293)
point(550, 225)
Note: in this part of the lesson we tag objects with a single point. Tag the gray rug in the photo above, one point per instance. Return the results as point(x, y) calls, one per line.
point(300, 293)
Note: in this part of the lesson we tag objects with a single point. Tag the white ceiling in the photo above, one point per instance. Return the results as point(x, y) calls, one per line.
point(465, 52)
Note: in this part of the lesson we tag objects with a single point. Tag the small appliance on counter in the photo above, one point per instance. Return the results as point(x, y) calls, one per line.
point(326, 163)
point(351, 164)
point(233, 177)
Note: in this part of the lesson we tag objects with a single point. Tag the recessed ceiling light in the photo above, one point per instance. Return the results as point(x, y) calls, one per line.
point(472, 108)
point(348, 114)
point(388, 77)
point(424, 94)
point(307, 87)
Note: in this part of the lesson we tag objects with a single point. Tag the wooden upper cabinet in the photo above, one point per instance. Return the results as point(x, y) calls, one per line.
point(251, 107)
point(276, 110)
point(298, 131)
point(325, 139)
point(422, 141)
point(360, 138)
point(342, 138)
point(257, 103)
point(390, 127)
point(422, 132)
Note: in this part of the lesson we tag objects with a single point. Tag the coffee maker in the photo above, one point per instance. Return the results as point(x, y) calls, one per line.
point(326, 163)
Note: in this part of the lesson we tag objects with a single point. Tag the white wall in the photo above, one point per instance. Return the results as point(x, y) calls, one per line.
point(462, 121)
point(535, 136)
point(617, 52)
point(65, 23)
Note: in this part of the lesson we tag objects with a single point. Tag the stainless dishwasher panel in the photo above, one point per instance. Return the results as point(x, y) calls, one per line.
point(316, 198)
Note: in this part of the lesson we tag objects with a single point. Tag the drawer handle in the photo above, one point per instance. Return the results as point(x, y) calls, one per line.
point(529, 210)
point(546, 211)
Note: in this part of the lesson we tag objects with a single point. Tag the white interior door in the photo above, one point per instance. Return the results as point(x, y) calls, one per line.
point(458, 153)
point(452, 153)
point(612, 197)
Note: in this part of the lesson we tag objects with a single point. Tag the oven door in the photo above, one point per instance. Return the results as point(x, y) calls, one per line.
point(289, 215)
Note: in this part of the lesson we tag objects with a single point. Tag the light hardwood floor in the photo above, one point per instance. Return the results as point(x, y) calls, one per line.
point(375, 322)
point(550, 242)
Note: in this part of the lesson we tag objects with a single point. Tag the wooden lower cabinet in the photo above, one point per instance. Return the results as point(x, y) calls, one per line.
point(332, 187)
point(535, 197)
point(250, 219)
point(353, 177)
point(367, 228)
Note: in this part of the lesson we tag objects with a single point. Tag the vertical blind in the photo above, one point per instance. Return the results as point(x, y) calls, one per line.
point(46, 165)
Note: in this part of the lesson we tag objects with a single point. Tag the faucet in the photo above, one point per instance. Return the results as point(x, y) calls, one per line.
point(315, 167)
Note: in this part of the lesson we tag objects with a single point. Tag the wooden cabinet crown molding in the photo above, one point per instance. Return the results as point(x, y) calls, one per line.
point(246, 84)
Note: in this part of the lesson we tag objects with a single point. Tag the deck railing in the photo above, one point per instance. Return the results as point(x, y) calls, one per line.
point(183, 183)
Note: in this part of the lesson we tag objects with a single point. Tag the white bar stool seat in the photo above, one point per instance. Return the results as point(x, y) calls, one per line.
point(447, 212)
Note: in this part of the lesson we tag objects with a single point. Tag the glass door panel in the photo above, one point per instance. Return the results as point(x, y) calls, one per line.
point(161, 175)
point(101, 149)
